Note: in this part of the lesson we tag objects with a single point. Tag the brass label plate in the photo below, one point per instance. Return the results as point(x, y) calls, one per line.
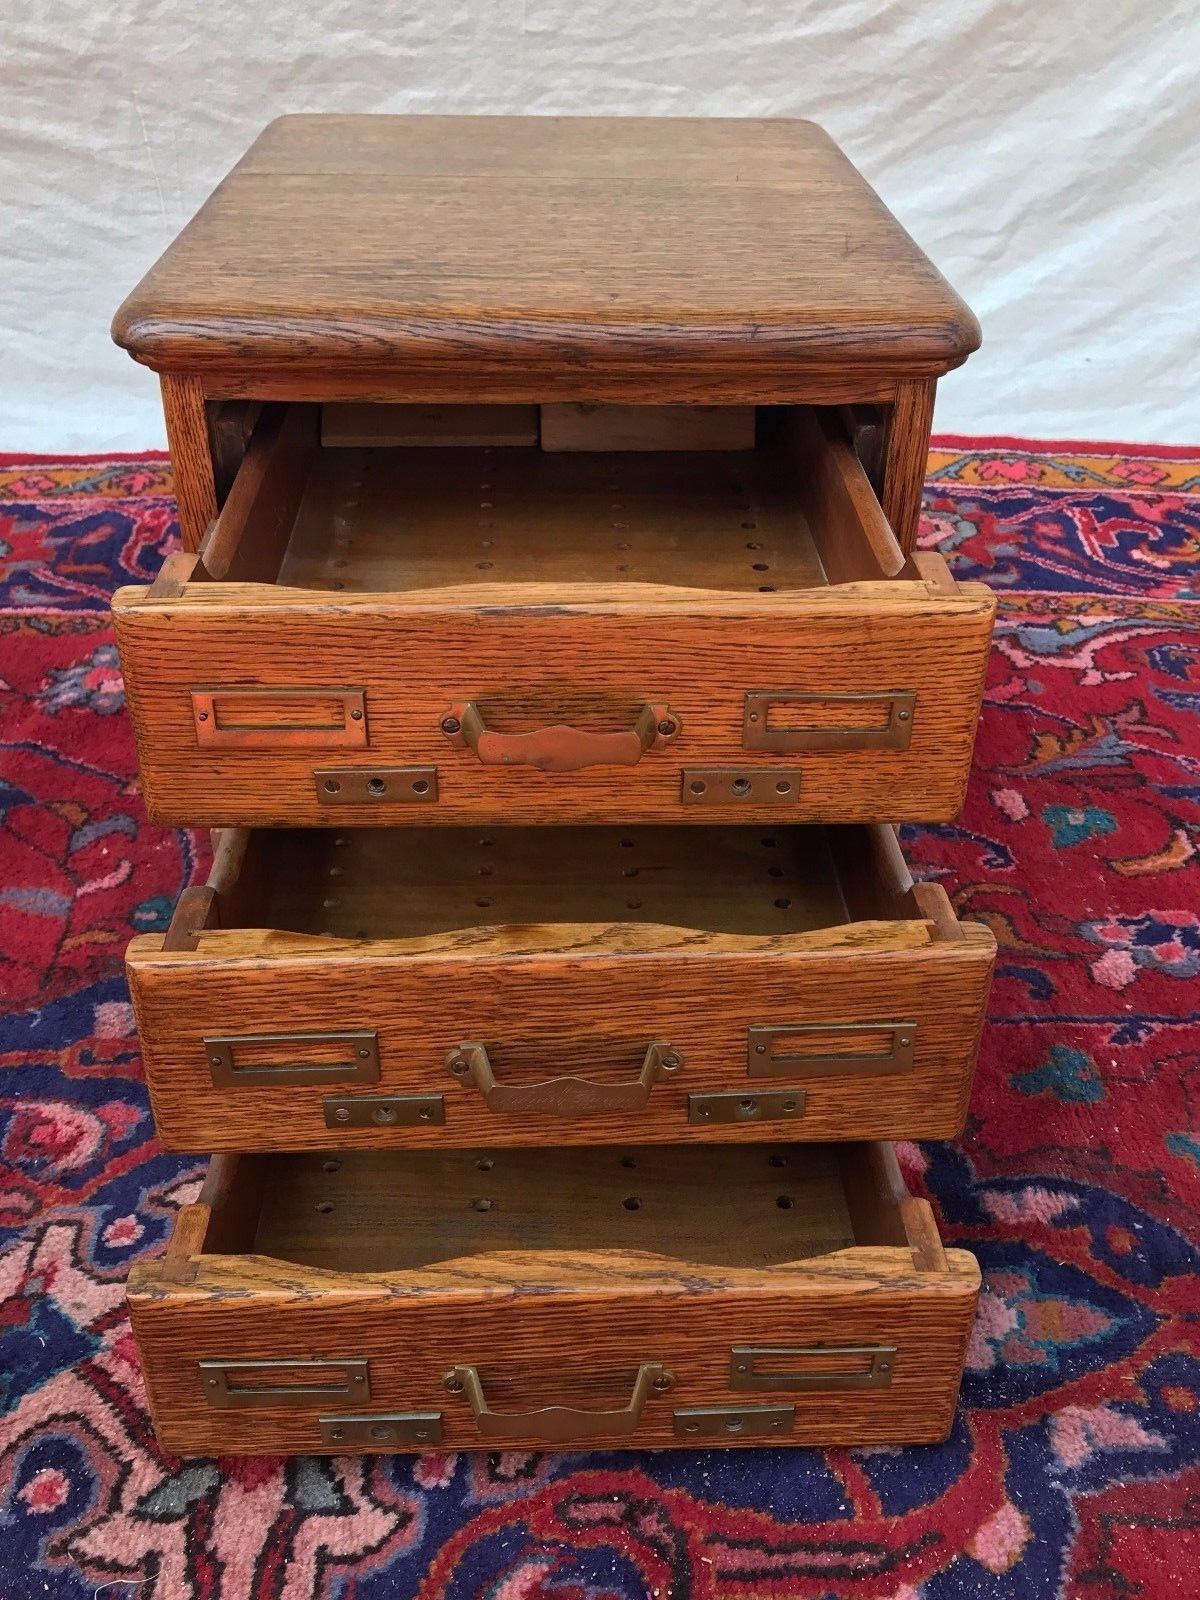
point(733, 786)
point(770, 1105)
point(250, 718)
point(733, 1422)
point(831, 1366)
point(892, 712)
point(372, 786)
point(312, 1379)
point(778, 1049)
point(357, 1048)
point(383, 1429)
point(384, 1110)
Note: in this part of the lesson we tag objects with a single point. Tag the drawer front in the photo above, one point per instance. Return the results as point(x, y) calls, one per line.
point(370, 712)
point(841, 1356)
point(302, 1051)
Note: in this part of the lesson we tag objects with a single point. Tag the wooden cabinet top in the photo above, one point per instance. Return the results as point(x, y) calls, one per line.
point(554, 255)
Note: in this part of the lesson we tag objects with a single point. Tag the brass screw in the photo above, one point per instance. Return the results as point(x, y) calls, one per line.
point(667, 727)
point(669, 1062)
point(341, 1114)
point(903, 715)
point(356, 716)
point(664, 1381)
point(453, 1383)
point(451, 725)
point(202, 716)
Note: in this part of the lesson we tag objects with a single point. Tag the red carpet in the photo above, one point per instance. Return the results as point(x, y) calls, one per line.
point(1074, 1469)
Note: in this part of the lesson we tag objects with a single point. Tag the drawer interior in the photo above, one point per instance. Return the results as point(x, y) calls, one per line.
point(792, 513)
point(395, 1211)
point(377, 883)
point(388, 519)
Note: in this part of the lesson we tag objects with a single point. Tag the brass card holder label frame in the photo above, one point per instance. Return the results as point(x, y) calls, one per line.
point(765, 1060)
point(212, 732)
point(361, 1065)
point(381, 1429)
point(220, 1390)
point(871, 1369)
point(894, 732)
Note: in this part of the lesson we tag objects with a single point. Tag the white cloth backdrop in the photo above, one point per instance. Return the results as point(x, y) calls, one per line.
point(1045, 152)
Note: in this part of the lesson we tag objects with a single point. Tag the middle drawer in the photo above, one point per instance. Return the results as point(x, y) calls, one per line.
point(581, 985)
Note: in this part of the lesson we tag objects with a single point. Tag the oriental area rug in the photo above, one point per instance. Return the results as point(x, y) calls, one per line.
point(1074, 1465)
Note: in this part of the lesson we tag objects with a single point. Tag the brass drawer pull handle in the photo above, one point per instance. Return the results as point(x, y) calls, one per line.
point(557, 1424)
point(560, 748)
point(768, 1054)
point(564, 1097)
point(350, 1057)
point(328, 1380)
point(279, 719)
point(830, 1366)
point(881, 721)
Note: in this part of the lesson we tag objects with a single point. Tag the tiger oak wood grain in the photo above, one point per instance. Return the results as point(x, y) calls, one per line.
point(538, 656)
point(466, 613)
point(192, 465)
point(657, 249)
point(621, 1306)
point(435, 260)
point(435, 938)
point(905, 454)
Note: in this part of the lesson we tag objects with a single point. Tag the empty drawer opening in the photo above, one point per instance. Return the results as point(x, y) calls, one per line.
point(791, 509)
point(376, 1211)
point(376, 883)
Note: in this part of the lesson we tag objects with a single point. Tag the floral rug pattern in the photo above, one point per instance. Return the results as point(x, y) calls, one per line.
point(1074, 1467)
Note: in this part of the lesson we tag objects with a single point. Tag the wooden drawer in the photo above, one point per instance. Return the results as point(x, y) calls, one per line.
point(425, 634)
point(521, 986)
point(647, 1296)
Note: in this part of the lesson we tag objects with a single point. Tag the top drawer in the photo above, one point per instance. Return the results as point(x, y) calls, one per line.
point(407, 633)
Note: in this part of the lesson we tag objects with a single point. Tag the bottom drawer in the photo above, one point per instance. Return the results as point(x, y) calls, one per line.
point(649, 1297)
